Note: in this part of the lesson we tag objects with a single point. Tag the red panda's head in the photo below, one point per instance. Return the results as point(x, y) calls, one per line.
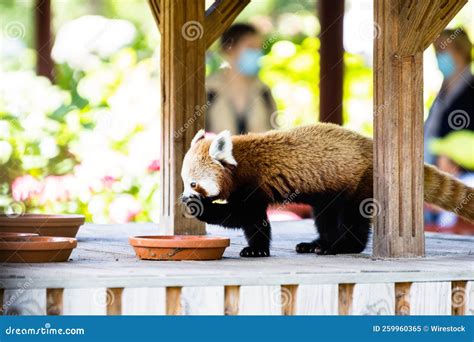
point(207, 167)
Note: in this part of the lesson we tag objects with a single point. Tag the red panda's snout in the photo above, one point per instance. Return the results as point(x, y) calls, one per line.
point(205, 171)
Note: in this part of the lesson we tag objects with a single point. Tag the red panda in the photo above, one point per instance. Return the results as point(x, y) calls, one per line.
point(323, 165)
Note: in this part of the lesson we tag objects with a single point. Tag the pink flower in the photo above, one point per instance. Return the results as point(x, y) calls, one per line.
point(108, 181)
point(51, 189)
point(58, 188)
point(25, 187)
point(124, 208)
point(155, 165)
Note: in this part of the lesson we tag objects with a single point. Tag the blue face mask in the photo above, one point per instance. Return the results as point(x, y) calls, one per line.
point(248, 62)
point(446, 64)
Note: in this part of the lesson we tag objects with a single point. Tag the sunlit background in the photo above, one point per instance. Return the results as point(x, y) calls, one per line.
point(89, 142)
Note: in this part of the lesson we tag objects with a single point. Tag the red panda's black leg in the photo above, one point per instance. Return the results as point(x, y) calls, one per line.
point(353, 231)
point(308, 247)
point(341, 226)
point(326, 213)
point(246, 210)
point(258, 237)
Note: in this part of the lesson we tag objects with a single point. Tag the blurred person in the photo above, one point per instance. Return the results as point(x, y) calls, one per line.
point(453, 108)
point(454, 155)
point(240, 102)
point(237, 99)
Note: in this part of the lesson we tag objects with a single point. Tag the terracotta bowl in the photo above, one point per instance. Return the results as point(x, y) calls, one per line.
point(36, 249)
point(44, 225)
point(183, 247)
point(6, 235)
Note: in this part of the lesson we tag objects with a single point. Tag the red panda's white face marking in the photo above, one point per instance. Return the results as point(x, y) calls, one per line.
point(204, 172)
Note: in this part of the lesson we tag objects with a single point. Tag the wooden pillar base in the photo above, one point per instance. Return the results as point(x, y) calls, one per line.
point(398, 136)
point(398, 161)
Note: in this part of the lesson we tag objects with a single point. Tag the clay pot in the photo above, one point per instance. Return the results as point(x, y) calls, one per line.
point(36, 249)
point(6, 235)
point(183, 247)
point(44, 225)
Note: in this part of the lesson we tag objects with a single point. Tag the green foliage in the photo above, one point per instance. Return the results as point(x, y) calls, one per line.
point(86, 144)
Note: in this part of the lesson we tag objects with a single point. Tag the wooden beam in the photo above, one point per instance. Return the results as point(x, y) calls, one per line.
point(54, 302)
point(173, 301)
point(446, 10)
point(413, 15)
point(231, 300)
point(398, 104)
point(220, 16)
point(183, 97)
point(346, 292)
point(44, 40)
point(155, 9)
point(422, 21)
point(458, 298)
point(398, 154)
point(402, 299)
point(288, 299)
point(114, 301)
point(331, 72)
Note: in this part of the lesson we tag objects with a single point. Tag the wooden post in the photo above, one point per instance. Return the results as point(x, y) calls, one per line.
point(44, 40)
point(183, 92)
point(186, 32)
point(331, 19)
point(404, 29)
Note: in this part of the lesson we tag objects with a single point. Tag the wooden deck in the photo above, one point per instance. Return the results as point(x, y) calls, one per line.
point(104, 266)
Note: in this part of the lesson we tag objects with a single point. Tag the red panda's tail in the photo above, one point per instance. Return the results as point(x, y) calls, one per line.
point(448, 193)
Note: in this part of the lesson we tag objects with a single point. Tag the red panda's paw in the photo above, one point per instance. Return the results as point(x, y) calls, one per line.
point(253, 252)
point(308, 247)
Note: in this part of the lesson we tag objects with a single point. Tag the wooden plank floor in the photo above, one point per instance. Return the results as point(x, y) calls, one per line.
point(105, 259)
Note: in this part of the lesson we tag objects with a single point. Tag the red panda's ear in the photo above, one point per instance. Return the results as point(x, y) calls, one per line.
point(221, 148)
point(199, 135)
